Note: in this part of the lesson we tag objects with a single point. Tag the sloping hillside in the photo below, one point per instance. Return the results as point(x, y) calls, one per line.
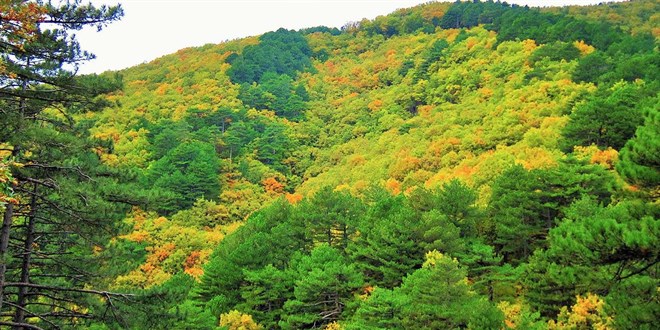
point(340, 175)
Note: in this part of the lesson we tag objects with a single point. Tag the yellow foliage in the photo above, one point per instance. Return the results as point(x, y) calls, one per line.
point(529, 45)
point(471, 42)
point(586, 313)
point(404, 164)
point(485, 92)
point(594, 155)
point(607, 157)
point(356, 160)
point(583, 47)
point(513, 313)
point(138, 236)
point(333, 326)
point(451, 34)
point(235, 320)
point(535, 157)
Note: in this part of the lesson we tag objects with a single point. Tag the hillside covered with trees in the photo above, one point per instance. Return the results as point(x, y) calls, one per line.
point(472, 165)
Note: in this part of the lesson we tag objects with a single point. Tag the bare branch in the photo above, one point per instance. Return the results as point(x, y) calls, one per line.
point(21, 325)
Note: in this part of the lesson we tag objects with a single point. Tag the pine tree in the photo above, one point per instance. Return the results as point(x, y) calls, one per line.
point(324, 283)
point(56, 169)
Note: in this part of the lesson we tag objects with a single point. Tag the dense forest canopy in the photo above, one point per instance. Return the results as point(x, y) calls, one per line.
point(473, 165)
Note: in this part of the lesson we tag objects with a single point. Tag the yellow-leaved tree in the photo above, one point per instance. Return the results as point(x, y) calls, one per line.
point(587, 313)
point(235, 320)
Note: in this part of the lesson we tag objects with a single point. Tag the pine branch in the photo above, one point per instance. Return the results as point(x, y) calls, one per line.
point(106, 294)
point(31, 314)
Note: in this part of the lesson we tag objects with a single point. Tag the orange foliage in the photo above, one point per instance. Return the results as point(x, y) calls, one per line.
point(594, 155)
point(293, 198)
point(192, 260)
point(511, 313)
point(360, 186)
point(464, 171)
point(471, 42)
point(404, 165)
point(164, 251)
point(160, 221)
point(607, 157)
point(195, 272)
point(162, 89)
point(434, 10)
point(193, 264)
point(375, 105)
point(454, 141)
point(19, 21)
point(147, 268)
point(425, 110)
point(393, 186)
point(632, 188)
point(330, 66)
point(272, 186)
point(485, 92)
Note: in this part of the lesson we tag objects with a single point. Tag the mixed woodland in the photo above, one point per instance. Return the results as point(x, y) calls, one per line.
point(465, 165)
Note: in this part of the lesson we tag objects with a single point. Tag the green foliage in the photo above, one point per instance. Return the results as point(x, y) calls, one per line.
point(190, 171)
point(277, 93)
point(609, 119)
point(436, 296)
point(265, 293)
point(286, 136)
point(639, 157)
point(166, 306)
point(324, 282)
point(556, 51)
point(599, 249)
point(388, 246)
point(282, 52)
point(525, 204)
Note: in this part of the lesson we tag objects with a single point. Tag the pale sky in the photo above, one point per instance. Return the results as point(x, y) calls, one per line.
point(152, 28)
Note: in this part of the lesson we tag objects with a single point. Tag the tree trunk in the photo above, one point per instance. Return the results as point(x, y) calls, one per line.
point(19, 317)
point(4, 238)
point(4, 245)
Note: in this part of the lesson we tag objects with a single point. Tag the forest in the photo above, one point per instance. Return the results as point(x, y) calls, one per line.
point(454, 165)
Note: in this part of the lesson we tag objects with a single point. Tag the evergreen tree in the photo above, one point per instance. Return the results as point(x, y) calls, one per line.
point(601, 250)
point(324, 282)
point(389, 246)
point(61, 208)
point(190, 171)
point(437, 296)
point(640, 160)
